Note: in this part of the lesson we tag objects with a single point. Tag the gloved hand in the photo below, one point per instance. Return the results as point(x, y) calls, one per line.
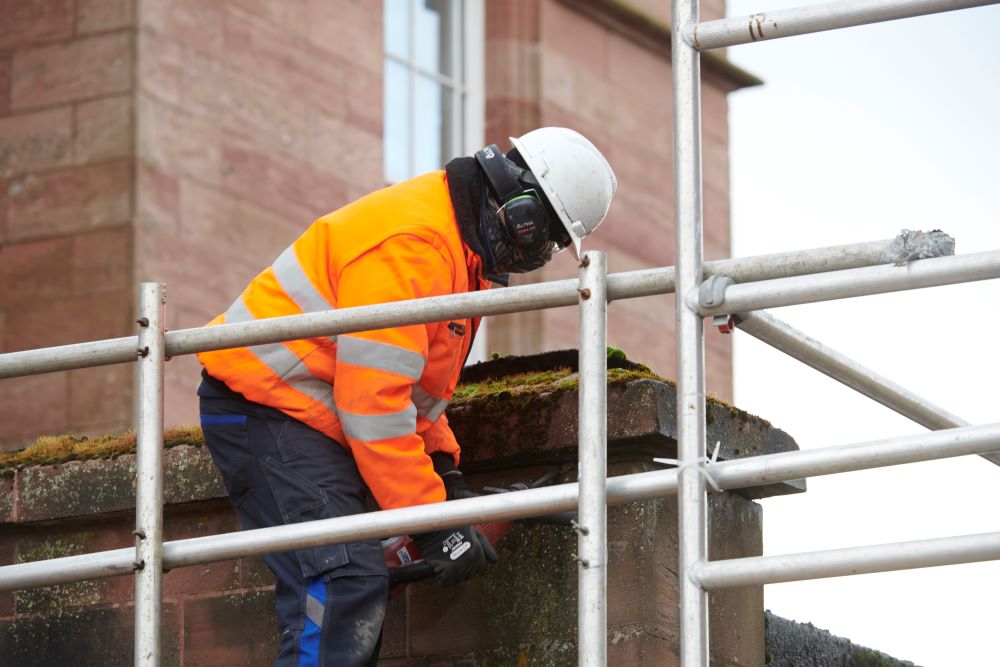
point(455, 553)
point(454, 481)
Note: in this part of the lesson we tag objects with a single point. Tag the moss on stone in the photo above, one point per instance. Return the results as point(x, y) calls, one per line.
point(53, 449)
point(534, 390)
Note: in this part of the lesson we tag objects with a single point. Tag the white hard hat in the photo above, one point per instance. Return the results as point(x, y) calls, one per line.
point(577, 180)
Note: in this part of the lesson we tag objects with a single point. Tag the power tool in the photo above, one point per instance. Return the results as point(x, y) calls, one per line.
point(402, 556)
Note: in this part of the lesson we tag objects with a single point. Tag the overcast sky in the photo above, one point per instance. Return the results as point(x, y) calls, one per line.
point(857, 134)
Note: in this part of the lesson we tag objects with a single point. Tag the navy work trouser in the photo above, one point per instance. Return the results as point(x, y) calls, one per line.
point(330, 599)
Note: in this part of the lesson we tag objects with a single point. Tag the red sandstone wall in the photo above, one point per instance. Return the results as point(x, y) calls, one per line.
point(254, 118)
point(188, 142)
point(548, 63)
point(66, 272)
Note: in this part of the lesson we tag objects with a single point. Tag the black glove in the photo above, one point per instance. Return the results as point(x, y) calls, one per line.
point(455, 553)
point(454, 481)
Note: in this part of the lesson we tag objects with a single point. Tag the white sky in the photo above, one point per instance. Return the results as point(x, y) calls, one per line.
point(857, 134)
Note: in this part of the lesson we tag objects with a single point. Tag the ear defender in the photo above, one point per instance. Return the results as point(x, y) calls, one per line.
point(521, 212)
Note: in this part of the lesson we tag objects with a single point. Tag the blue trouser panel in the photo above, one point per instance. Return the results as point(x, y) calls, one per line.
point(330, 600)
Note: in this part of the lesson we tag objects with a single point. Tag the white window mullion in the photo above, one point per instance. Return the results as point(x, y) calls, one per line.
point(412, 99)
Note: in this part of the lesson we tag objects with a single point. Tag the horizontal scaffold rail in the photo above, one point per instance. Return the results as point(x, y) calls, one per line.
point(741, 473)
point(756, 571)
point(786, 338)
point(725, 32)
point(849, 283)
point(648, 282)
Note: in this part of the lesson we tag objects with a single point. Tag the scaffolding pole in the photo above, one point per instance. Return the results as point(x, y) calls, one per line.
point(554, 294)
point(717, 575)
point(692, 502)
point(865, 281)
point(736, 474)
point(149, 476)
point(794, 343)
point(592, 558)
point(812, 18)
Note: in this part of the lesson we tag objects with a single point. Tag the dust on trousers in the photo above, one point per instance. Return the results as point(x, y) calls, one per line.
point(330, 600)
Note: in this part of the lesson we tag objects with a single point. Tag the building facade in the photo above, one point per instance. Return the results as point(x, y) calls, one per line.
point(189, 142)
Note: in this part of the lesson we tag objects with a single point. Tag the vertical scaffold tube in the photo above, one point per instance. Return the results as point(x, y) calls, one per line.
point(149, 476)
point(692, 522)
point(593, 507)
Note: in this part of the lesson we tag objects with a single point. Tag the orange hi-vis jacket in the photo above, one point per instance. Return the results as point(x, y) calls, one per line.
point(381, 394)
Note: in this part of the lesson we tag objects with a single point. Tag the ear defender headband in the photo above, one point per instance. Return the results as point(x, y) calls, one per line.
point(521, 209)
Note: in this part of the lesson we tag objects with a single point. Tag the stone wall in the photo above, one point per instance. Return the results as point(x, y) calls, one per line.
point(603, 68)
point(254, 118)
point(521, 611)
point(67, 72)
point(189, 142)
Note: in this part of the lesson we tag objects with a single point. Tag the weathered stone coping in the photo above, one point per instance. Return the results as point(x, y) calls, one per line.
point(512, 427)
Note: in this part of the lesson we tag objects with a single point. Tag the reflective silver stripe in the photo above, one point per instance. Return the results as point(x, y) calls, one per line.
point(381, 356)
point(315, 610)
point(379, 427)
point(429, 407)
point(285, 363)
point(296, 284)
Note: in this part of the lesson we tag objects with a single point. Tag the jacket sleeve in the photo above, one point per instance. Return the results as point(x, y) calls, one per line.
point(376, 371)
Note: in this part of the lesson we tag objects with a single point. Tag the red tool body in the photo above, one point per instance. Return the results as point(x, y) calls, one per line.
point(406, 565)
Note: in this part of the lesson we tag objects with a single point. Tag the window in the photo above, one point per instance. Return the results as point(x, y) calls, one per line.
point(433, 104)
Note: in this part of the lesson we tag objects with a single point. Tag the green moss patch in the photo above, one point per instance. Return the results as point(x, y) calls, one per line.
point(53, 449)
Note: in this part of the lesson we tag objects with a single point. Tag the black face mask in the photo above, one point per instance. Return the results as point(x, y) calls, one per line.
point(503, 254)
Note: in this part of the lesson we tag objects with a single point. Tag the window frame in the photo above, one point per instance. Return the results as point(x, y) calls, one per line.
point(467, 81)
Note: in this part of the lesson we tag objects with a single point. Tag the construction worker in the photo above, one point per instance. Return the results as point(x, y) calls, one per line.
point(312, 429)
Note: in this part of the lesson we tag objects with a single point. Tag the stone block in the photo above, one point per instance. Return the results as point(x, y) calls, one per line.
point(30, 406)
point(279, 184)
point(35, 22)
point(157, 197)
point(102, 15)
point(35, 270)
point(287, 64)
point(394, 629)
point(523, 610)
point(181, 380)
point(190, 476)
point(346, 30)
point(102, 261)
point(237, 629)
point(233, 228)
point(71, 200)
point(6, 504)
point(94, 636)
point(188, 289)
point(177, 143)
point(198, 579)
point(103, 129)
point(338, 147)
point(104, 486)
point(35, 141)
point(76, 488)
point(364, 90)
point(69, 320)
point(101, 395)
point(160, 65)
point(575, 36)
point(194, 24)
point(4, 84)
point(254, 573)
point(71, 71)
point(70, 597)
point(541, 426)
